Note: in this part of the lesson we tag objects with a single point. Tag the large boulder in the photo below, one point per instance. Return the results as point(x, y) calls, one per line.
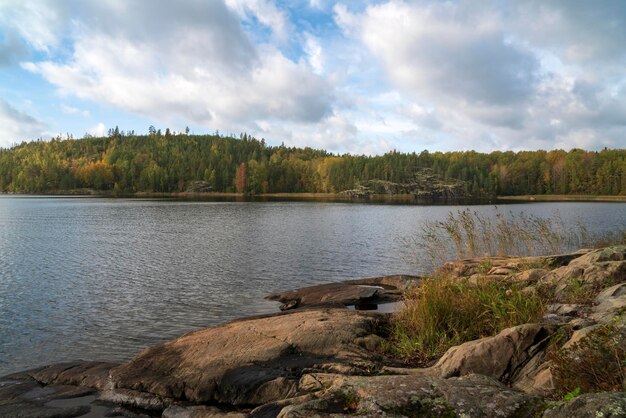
point(253, 361)
point(416, 395)
point(609, 303)
point(501, 357)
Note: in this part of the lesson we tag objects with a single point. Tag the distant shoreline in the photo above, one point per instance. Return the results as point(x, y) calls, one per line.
point(565, 198)
point(322, 196)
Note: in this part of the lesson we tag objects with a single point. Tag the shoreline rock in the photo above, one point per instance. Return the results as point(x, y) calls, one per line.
point(317, 358)
point(371, 291)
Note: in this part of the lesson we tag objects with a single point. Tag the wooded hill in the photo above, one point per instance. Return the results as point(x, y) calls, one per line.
point(127, 163)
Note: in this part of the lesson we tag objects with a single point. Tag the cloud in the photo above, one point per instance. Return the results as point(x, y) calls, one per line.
point(70, 110)
point(578, 31)
point(498, 74)
point(11, 48)
point(99, 130)
point(17, 126)
point(266, 12)
point(357, 77)
point(439, 50)
point(192, 61)
point(315, 54)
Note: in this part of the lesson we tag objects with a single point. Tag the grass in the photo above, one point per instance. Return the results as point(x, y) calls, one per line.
point(469, 234)
point(444, 312)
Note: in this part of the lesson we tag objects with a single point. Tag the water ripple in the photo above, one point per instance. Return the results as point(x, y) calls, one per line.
point(101, 279)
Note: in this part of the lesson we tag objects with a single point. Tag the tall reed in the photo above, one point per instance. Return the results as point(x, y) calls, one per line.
point(469, 234)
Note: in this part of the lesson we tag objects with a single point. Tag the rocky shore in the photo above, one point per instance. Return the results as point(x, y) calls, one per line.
point(319, 357)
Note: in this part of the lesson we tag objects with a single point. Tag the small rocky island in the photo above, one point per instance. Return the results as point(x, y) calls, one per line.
point(424, 185)
point(318, 358)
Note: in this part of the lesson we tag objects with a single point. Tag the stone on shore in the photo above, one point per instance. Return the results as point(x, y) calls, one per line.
point(375, 290)
point(416, 396)
point(595, 405)
point(253, 361)
point(500, 357)
point(314, 360)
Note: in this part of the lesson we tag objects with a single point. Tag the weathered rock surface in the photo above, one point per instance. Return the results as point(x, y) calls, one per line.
point(252, 361)
point(92, 374)
point(500, 357)
point(416, 396)
point(199, 186)
point(26, 398)
point(59, 390)
point(591, 405)
point(592, 271)
point(509, 265)
point(200, 411)
point(609, 303)
point(425, 184)
point(374, 291)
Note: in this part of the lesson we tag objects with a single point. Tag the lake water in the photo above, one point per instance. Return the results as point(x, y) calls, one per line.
point(101, 279)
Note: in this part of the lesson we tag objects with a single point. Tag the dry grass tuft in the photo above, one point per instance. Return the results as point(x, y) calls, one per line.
point(444, 312)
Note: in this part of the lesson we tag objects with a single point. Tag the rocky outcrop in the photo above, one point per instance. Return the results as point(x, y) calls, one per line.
point(254, 361)
point(587, 274)
point(600, 405)
point(320, 359)
point(414, 396)
point(58, 391)
point(425, 185)
point(373, 291)
point(199, 187)
point(501, 357)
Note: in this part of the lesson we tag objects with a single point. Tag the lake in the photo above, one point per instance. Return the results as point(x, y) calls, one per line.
point(101, 279)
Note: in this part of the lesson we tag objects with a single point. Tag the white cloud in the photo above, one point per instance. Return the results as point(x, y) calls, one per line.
point(266, 12)
point(17, 126)
point(437, 51)
point(489, 80)
point(99, 130)
point(204, 70)
point(579, 31)
point(70, 110)
point(315, 53)
point(398, 74)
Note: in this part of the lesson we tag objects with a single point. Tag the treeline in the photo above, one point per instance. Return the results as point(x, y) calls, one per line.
point(127, 163)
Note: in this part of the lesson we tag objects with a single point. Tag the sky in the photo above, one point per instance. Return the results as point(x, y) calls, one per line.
point(360, 77)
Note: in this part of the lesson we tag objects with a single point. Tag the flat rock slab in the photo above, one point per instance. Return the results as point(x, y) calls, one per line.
point(601, 405)
point(92, 374)
point(416, 395)
point(375, 290)
point(26, 398)
point(253, 361)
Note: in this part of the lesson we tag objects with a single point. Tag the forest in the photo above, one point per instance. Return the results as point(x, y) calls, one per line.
point(123, 162)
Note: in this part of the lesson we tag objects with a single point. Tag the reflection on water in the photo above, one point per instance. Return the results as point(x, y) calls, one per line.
point(105, 278)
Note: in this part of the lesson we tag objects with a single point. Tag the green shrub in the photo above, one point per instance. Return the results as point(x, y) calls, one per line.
point(594, 364)
point(444, 312)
